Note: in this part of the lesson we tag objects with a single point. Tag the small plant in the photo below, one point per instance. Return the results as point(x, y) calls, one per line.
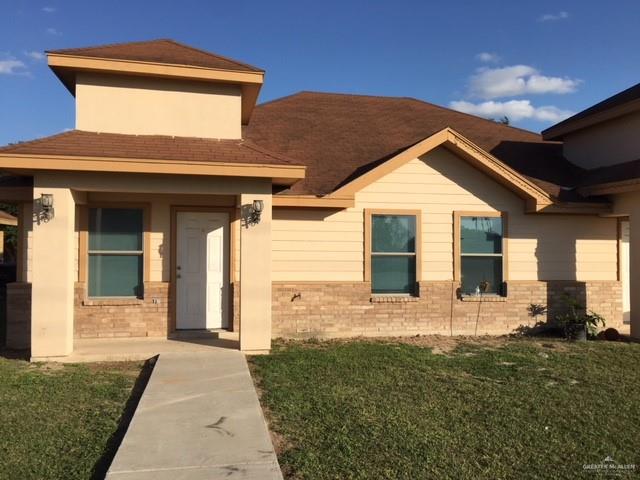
point(577, 321)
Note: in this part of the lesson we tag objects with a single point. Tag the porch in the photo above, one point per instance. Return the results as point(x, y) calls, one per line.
point(88, 350)
point(123, 267)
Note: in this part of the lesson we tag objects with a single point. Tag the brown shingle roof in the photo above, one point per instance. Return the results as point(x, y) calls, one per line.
point(339, 137)
point(611, 174)
point(79, 143)
point(160, 51)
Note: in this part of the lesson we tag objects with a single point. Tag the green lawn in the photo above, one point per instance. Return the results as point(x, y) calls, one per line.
point(516, 409)
point(56, 421)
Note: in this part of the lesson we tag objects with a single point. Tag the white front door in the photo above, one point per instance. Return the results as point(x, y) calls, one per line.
point(202, 270)
point(624, 271)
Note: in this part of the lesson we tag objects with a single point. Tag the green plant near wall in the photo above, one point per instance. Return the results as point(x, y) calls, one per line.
point(578, 317)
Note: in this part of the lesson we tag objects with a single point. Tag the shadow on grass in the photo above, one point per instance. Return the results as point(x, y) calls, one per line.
point(102, 465)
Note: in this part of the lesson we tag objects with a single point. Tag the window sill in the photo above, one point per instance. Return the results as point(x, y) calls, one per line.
point(483, 298)
point(112, 302)
point(393, 298)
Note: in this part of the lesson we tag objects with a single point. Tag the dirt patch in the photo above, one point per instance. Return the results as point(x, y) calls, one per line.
point(442, 344)
point(125, 368)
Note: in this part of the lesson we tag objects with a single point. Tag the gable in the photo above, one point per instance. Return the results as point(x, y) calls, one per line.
point(536, 198)
point(438, 181)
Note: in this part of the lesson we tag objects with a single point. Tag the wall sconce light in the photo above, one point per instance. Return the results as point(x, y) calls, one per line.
point(256, 212)
point(46, 203)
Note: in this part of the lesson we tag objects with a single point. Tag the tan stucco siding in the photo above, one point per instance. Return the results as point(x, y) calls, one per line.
point(607, 143)
point(314, 245)
point(152, 106)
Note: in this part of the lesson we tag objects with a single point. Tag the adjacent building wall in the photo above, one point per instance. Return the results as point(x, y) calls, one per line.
point(154, 106)
point(608, 143)
point(628, 204)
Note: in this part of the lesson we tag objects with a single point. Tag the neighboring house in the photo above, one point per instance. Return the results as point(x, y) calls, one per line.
point(178, 203)
point(605, 140)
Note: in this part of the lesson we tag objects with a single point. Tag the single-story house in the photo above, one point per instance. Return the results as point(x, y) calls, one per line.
point(178, 203)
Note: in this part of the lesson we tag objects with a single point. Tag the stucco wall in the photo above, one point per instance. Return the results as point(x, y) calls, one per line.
point(328, 245)
point(607, 143)
point(153, 106)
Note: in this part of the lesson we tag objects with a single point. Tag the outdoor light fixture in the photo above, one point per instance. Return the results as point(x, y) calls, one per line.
point(256, 212)
point(46, 203)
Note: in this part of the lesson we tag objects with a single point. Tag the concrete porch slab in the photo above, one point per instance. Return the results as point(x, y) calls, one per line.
point(143, 348)
point(198, 418)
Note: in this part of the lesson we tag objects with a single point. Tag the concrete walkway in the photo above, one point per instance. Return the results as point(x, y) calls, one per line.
point(198, 418)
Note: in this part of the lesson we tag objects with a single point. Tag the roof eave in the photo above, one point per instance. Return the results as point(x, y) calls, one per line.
point(568, 126)
point(282, 175)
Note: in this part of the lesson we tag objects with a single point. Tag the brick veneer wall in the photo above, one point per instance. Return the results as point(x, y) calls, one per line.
point(18, 315)
point(343, 309)
point(123, 318)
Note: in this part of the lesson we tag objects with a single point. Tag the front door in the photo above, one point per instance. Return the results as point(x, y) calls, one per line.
point(202, 270)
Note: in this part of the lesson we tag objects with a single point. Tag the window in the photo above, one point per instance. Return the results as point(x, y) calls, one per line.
point(393, 253)
point(115, 252)
point(481, 253)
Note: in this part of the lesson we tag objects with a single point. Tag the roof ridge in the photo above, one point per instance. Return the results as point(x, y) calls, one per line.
point(502, 125)
point(347, 94)
point(104, 45)
point(223, 57)
point(413, 99)
point(157, 40)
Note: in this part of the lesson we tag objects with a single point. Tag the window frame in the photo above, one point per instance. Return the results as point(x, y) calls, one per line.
point(457, 245)
point(83, 244)
point(368, 237)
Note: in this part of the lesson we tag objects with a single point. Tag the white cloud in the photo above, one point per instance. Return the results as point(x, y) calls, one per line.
point(53, 31)
point(12, 67)
point(489, 83)
point(488, 57)
point(553, 17)
point(514, 109)
point(35, 55)
point(49, 9)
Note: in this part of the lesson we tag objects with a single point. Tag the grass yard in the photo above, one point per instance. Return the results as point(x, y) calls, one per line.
point(507, 409)
point(56, 421)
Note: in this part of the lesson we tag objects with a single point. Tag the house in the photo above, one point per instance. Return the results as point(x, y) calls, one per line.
point(177, 203)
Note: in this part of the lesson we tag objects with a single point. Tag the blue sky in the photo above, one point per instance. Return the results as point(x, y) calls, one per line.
point(534, 61)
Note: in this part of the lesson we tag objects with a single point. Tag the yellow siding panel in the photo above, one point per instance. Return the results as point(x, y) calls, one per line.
point(328, 245)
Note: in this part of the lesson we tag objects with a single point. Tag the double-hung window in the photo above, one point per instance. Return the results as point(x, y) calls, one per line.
point(481, 247)
point(115, 267)
point(394, 252)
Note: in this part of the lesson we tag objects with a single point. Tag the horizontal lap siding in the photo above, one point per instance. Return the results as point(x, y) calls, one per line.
point(327, 245)
point(311, 245)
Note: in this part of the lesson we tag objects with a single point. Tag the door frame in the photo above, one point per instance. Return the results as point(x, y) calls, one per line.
point(231, 241)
